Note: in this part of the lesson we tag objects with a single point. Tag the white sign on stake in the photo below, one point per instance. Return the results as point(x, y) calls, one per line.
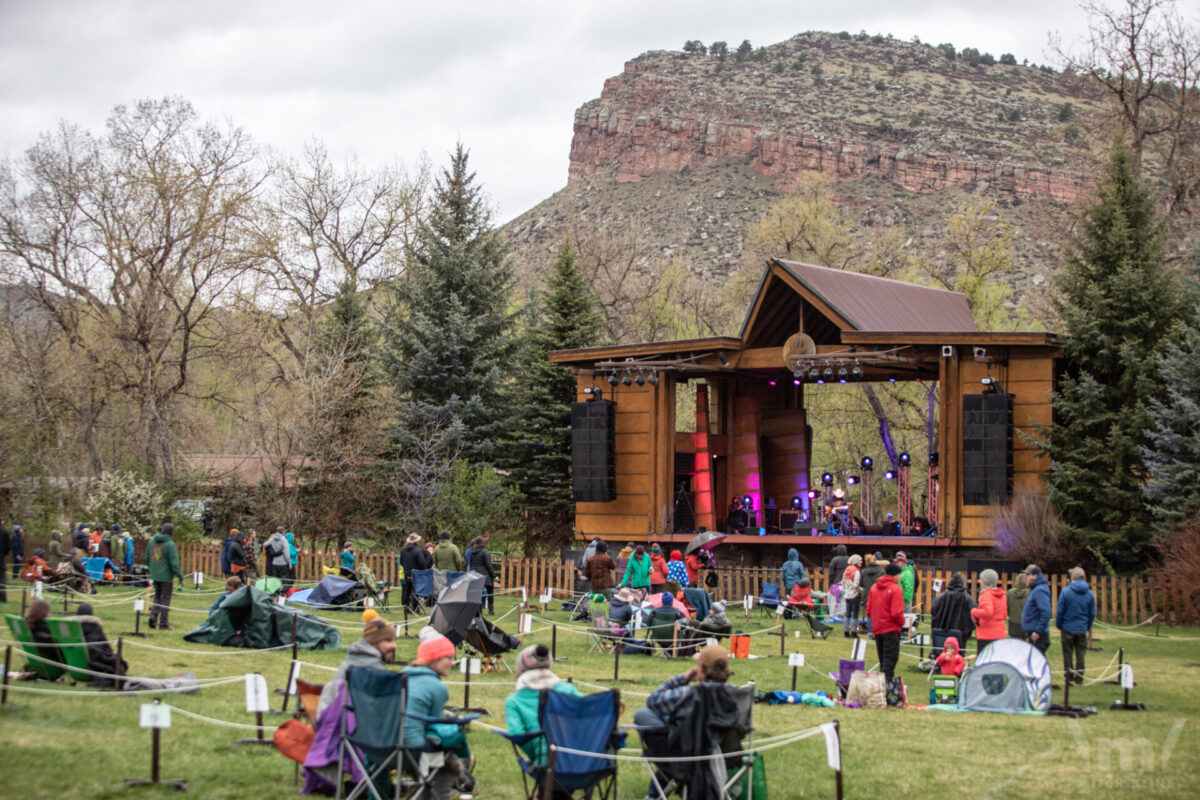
point(937, 585)
point(637, 620)
point(155, 715)
point(526, 624)
point(524, 596)
point(139, 604)
point(1127, 676)
point(256, 694)
point(547, 597)
point(710, 642)
point(198, 578)
point(369, 602)
point(795, 659)
point(37, 588)
point(858, 652)
point(748, 602)
point(295, 673)
point(779, 609)
point(471, 664)
point(832, 753)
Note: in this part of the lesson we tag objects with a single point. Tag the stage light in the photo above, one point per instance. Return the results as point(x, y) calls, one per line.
point(820, 381)
point(857, 372)
point(796, 502)
point(867, 463)
point(842, 374)
point(918, 379)
point(814, 373)
point(904, 458)
point(612, 379)
point(828, 374)
point(892, 379)
point(826, 479)
point(889, 475)
point(851, 480)
point(795, 381)
point(653, 379)
point(812, 494)
point(640, 380)
point(627, 380)
point(747, 502)
point(721, 357)
point(933, 457)
point(771, 382)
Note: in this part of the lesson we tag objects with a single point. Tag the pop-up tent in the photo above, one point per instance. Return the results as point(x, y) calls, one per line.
point(263, 623)
point(334, 590)
point(1010, 676)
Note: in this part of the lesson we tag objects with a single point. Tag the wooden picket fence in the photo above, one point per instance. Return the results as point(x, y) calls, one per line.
point(1119, 600)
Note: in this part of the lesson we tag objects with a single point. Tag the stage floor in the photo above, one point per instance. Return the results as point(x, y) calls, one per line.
point(898, 542)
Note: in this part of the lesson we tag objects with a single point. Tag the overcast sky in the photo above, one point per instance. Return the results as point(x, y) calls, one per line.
point(389, 81)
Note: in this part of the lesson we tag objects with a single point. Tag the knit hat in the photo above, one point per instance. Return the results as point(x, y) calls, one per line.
point(433, 649)
point(676, 555)
point(377, 630)
point(989, 578)
point(903, 559)
point(656, 549)
point(445, 534)
point(426, 633)
point(85, 610)
point(536, 656)
point(668, 599)
point(714, 662)
point(892, 568)
point(413, 538)
point(639, 551)
point(856, 560)
point(369, 615)
point(717, 607)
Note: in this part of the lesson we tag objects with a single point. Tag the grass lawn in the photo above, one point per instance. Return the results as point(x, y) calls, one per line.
point(86, 745)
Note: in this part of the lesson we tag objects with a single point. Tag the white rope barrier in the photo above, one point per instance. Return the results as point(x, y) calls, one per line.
point(780, 741)
point(226, 723)
point(17, 687)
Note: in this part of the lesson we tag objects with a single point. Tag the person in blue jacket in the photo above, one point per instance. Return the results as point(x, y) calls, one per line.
point(1074, 617)
point(1035, 617)
point(791, 573)
point(427, 697)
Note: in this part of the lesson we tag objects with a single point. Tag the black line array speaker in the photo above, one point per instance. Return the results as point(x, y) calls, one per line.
point(987, 448)
point(593, 451)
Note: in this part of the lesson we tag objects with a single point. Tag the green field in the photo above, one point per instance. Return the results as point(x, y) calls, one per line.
point(86, 743)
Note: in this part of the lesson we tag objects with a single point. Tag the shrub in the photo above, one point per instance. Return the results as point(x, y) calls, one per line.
point(1072, 133)
point(987, 60)
point(1179, 565)
point(719, 49)
point(694, 46)
point(1008, 59)
point(743, 51)
point(1029, 530)
point(844, 35)
point(948, 50)
point(121, 497)
point(1065, 112)
point(880, 85)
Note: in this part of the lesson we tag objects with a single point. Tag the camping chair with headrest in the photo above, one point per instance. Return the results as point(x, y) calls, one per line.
point(768, 598)
point(729, 771)
point(489, 644)
point(571, 727)
point(664, 632)
point(816, 628)
point(424, 593)
point(68, 633)
point(846, 670)
point(938, 640)
point(39, 654)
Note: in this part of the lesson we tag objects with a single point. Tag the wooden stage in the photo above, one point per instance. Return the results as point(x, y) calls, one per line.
point(791, 540)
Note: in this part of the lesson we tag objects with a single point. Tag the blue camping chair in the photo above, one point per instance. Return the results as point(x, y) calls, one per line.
point(423, 588)
point(768, 598)
point(586, 724)
point(95, 568)
point(376, 744)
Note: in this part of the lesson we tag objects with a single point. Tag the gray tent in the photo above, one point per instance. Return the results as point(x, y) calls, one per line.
point(1010, 676)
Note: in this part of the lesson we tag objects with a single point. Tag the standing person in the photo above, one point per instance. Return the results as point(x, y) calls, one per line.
point(952, 608)
point(695, 562)
point(1016, 597)
point(992, 612)
point(637, 571)
point(791, 573)
point(907, 581)
point(54, 552)
point(234, 538)
point(599, 571)
point(588, 552)
point(1074, 617)
point(871, 571)
point(163, 557)
point(447, 556)
point(1035, 617)
point(293, 558)
point(481, 562)
point(127, 565)
point(852, 595)
point(658, 569)
point(117, 546)
point(677, 570)
point(275, 553)
point(16, 547)
point(427, 697)
point(412, 558)
point(837, 564)
point(347, 556)
point(885, 609)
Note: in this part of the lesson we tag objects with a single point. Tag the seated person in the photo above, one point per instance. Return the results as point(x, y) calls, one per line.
point(373, 651)
point(716, 622)
point(427, 697)
point(231, 586)
point(801, 598)
point(620, 607)
point(47, 648)
point(950, 662)
point(36, 568)
point(668, 609)
point(533, 674)
point(101, 657)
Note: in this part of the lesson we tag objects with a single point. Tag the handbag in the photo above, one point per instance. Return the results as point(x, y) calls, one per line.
point(868, 689)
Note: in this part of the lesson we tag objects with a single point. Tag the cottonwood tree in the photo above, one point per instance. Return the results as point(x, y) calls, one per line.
point(978, 245)
point(131, 242)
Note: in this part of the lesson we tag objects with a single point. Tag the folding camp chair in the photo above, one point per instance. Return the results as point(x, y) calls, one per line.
point(664, 632)
point(68, 633)
point(938, 638)
point(768, 598)
point(580, 725)
point(603, 637)
point(945, 690)
point(846, 669)
point(20, 631)
point(489, 643)
point(423, 591)
point(816, 628)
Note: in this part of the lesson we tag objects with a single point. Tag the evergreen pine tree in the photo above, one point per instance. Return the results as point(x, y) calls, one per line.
point(449, 341)
point(567, 316)
point(1119, 307)
point(1173, 458)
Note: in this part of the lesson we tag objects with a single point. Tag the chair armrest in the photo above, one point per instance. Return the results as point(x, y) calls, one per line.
point(449, 720)
point(520, 739)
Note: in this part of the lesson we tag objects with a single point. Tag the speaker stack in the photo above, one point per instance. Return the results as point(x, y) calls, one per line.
point(593, 451)
point(987, 448)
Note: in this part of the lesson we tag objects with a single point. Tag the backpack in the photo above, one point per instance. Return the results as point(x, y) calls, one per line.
point(275, 547)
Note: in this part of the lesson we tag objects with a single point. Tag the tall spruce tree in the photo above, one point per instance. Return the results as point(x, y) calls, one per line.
point(567, 316)
point(1173, 458)
point(449, 340)
point(1119, 307)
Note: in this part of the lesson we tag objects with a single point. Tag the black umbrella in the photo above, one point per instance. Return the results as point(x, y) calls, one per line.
point(457, 605)
point(704, 541)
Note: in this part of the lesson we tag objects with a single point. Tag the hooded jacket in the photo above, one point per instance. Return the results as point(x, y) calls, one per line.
point(1016, 597)
point(54, 552)
point(792, 571)
point(359, 654)
point(868, 575)
point(658, 569)
point(163, 556)
point(885, 606)
point(908, 582)
point(412, 558)
point(990, 615)
point(276, 549)
point(676, 569)
point(447, 556)
point(293, 550)
point(838, 564)
point(521, 708)
point(1076, 608)
point(952, 608)
point(950, 662)
point(118, 549)
point(481, 562)
point(427, 696)
point(1035, 617)
point(637, 572)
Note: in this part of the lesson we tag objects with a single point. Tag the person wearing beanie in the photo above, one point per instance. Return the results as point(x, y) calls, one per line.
point(626, 551)
point(715, 621)
point(992, 612)
point(101, 657)
point(427, 697)
point(373, 651)
point(952, 609)
point(837, 564)
point(534, 676)
point(637, 571)
point(658, 569)
point(447, 556)
point(885, 609)
point(347, 557)
point(852, 595)
point(54, 551)
point(600, 570)
point(677, 570)
point(163, 558)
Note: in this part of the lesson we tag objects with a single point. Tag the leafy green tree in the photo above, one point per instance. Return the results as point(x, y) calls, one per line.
point(568, 316)
point(1173, 457)
point(719, 49)
point(694, 46)
point(448, 341)
point(1119, 308)
point(743, 51)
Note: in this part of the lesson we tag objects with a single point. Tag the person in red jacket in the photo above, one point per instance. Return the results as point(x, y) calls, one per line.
point(950, 662)
point(801, 597)
point(991, 614)
point(885, 609)
point(658, 570)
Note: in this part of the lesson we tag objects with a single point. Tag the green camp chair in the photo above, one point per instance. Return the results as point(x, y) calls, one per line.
point(20, 631)
point(73, 647)
point(664, 632)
